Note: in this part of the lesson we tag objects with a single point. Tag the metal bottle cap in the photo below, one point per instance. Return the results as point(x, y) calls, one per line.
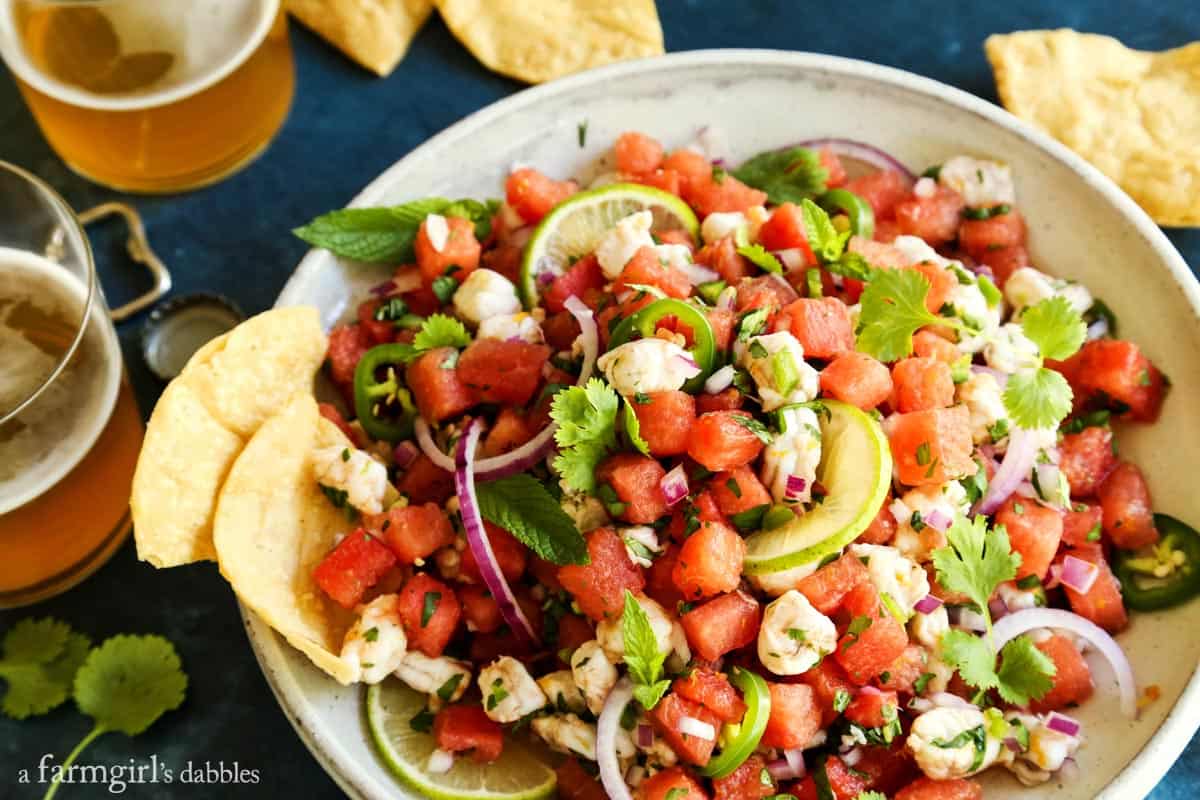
point(179, 327)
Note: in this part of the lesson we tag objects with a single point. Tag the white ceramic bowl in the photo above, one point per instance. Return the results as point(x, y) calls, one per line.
point(1080, 226)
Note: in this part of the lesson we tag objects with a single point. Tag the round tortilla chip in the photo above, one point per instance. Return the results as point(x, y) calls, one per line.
point(375, 33)
point(540, 40)
point(203, 419)
point(273, 525)
point(1132, 114)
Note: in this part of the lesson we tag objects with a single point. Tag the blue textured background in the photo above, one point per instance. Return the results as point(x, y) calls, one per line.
point(344, 128)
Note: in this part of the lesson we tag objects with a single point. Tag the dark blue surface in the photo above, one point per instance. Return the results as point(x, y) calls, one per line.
point(345, 127)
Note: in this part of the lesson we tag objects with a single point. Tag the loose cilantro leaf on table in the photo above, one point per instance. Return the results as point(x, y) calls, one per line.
point(125, 685)
point(976, 561)
point(386, 235)
point(587, 431)
point(39, 661)
point(787, 176)
point(642, 656)
point(523, 507)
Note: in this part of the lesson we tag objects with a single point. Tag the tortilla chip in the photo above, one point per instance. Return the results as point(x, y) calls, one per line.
point(1135, 115)
point(228, 388)
point(273, 526)
point(375, 33)
point(540, 40)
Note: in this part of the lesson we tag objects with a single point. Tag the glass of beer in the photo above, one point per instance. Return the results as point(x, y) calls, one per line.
point(70, 429)
point(152, 96)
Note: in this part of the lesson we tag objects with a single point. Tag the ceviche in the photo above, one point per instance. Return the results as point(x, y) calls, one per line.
point(789, 479)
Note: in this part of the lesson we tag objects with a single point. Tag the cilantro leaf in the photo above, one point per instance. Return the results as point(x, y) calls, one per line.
point(976, 560)
point(787, 176)
point(1055, 327)
point(893, 309)
point(757, 255)
point(850, 265)
point(386, 235)
point(824, 239)
point(1037, 398)
point(586, 417)
point(633, 429)
point(39, 663)
point(971, 656)
point(128, 682)
point(440, 330)
point(523, 507)
point(642, 656)
point(1025, 672)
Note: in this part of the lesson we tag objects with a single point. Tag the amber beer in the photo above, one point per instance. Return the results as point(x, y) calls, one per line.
point(70, 429)
point(152, 95)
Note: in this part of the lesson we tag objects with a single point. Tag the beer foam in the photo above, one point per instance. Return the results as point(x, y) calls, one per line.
point(48, 437)
point(209, 39)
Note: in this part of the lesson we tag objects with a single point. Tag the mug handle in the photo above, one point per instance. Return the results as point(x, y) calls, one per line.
point(139, 250)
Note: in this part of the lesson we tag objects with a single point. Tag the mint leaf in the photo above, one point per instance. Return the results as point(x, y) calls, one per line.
point(823, 238)
point(522, 506)
point(649, 696)
point(642, 656)
point(1025, 673)
point(1055, 327)
point(1037, 398)
point(757, 255)
point(893, 309)
point(787, 176)
point(386, 235)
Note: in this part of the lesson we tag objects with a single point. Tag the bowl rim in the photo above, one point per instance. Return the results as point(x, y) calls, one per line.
point(1159, 752)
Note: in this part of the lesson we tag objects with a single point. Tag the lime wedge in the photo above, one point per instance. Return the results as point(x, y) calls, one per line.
point(575, 226)
point(856, 471)
point(517, 775)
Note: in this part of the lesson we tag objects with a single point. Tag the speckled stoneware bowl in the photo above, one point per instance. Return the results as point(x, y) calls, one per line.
point(1081, 226)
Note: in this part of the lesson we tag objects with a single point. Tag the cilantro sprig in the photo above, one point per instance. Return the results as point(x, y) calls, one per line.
point(978, 559)
point(893, 309)
point(386, 235)
point(1040, 397)
point(642, 656)
point(124, 685)
point(587, 431)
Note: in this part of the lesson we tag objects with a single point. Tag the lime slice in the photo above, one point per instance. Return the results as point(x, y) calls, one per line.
point(856, 471)
point(517, 775)
point(575, 227)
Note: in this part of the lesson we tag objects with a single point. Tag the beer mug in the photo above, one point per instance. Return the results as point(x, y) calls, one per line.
point(151, 95)
point(70, 429)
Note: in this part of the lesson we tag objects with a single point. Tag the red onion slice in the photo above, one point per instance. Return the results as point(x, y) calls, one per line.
point(1098, 329)
point(481, 546)
point(645, 736)
point(861, 151)
point(1078, 574)
point(1019, 622)
point(1000, 376)
point(795, 488)
point(606, 741)
point(533, 451)
point(938, 519)
point(792, 258)
point(927, 604)
point(690, 726)
point(1018, 461)
point(1063, 724)
point(674, 485)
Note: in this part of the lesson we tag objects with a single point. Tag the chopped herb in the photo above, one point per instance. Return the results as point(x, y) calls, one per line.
point(497, 695)
point(812, 281)
point(998, 429)
point(582, 133)
point(920, 684)
point(750, 519)
point(752, 323)
point(1094, 534)
point(422, 722)
point(444, 286)
point(841, 700)
point(797, 635)
point(987, 212)
point(923, 456)
point(754, 426)
point(447, 689)
point(641, 398)
point(1029, 582)
point(718, 174)
point(732, 486)
point(429, 606)
point(856, 628)
point(757, 350)
point(711, 290)
point(916, 522)
point(371, 635)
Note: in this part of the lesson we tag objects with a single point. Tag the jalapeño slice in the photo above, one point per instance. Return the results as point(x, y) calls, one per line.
point(384, 407)
point(1163, 574)
point(646, 321)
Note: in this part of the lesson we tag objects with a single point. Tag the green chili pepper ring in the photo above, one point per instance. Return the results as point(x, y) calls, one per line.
point(758, 709)
point(1162, 575)
point(645, 322)
point(858, 210)
point(384, 407)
